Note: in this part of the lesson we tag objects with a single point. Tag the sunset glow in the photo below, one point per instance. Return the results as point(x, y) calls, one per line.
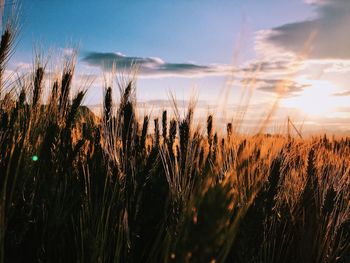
point(178, 46)
point(315, 100)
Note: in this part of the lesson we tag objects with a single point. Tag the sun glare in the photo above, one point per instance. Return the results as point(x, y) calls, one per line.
point(315, 100)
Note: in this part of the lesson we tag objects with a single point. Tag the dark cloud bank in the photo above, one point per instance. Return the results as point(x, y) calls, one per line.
point(330, 28)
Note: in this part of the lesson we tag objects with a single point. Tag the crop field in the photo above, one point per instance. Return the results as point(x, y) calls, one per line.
point(121, 187)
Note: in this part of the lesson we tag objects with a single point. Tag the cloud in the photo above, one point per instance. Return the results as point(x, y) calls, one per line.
point(273, 66)
point(344, 110)
point(286, 87)
point(315, 2)
point(153, 66)
point(342, 66)
point(23, 66)
point(342, 94)
point(330, 26)
point(267, 74)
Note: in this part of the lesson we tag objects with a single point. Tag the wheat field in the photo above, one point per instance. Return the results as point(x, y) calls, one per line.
point(77, 187)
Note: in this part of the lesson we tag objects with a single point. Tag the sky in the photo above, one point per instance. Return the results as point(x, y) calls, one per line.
point(289, 58)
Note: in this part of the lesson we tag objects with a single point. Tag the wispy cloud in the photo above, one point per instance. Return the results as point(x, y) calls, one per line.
point(316, 2)
point(267, 74)
point(153, 66)
point(290, 87)
point(342, 94)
